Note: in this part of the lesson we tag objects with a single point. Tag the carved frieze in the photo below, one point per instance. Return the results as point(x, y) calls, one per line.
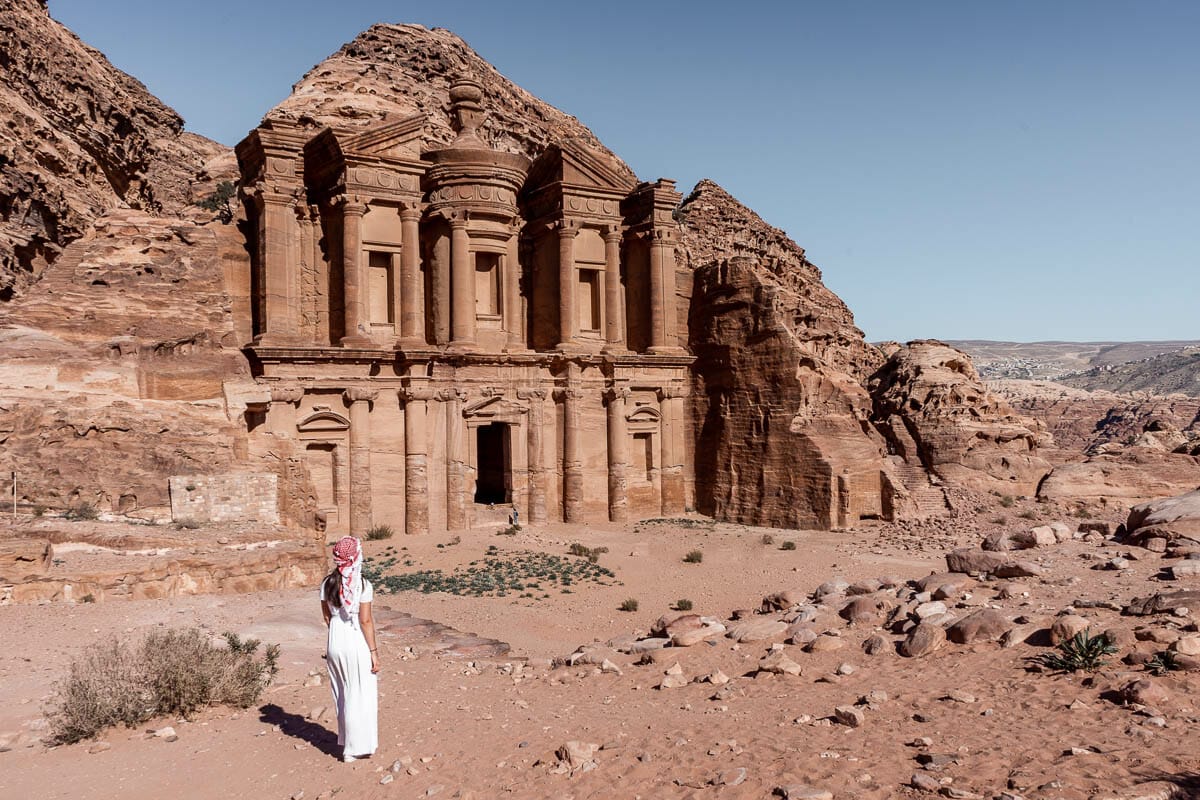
point(358, 394)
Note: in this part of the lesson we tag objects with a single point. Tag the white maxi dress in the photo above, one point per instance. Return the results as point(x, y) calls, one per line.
point(355, 687)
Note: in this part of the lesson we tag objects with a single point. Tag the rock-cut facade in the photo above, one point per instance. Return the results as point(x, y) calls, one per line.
point(451, 334)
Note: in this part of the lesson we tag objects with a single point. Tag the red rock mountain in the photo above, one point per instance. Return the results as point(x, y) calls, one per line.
point(79, 138)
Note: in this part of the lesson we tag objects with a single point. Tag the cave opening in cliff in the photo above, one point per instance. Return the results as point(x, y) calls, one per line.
point(493, 477)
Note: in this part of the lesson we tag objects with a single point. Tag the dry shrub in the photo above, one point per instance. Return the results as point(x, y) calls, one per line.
point(171, 672)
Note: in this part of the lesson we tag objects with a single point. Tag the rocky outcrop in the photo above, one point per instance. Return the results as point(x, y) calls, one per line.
point(934, 409)
point(1133, 475)
point(1084, 422)
point(79, 138)
point(392, 71)
point(1171, 518)
point(781, 416)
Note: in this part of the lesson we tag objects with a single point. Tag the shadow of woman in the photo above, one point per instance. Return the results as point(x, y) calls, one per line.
point(298, 727)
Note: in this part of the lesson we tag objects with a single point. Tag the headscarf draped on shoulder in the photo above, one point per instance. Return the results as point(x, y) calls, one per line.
point(347, 555)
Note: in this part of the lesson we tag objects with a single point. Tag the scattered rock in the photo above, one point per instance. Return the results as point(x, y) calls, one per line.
point(1067, 626)
point(779, 663)
point(850, 716)
point(923, 640)
point(984, 625)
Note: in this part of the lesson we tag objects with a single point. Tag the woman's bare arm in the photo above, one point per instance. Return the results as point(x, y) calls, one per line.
point(367, 621)
point(326, 613)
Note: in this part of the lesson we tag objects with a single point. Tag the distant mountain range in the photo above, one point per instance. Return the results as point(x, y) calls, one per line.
point(1157, 367)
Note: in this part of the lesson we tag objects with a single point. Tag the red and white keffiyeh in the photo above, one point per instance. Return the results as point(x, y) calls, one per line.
point(347, 555)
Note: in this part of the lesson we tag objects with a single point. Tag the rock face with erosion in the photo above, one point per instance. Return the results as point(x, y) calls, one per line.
point(781, 416)
point(934, 408)
point(1171, 518)
point(79, 138)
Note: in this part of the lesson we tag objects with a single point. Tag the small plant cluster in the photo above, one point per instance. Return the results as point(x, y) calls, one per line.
point(592, 554)
point(788, 545)
point(221, 201)
point(1028, 513)
point(187, 524)
point(693, 557)
point(380, 532)
point(1081, 653)
point(683, 605)
point(767, 539)
point(528, 573)
point(82, 511)
point(628, 605)
point(1007, 501)
point(173, 672)
point(1162, 663)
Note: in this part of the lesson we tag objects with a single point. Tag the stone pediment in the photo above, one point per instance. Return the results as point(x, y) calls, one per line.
point(400, 139)
point(644, 414)
point(322, 422)
point(572, 164)
point(495, 407)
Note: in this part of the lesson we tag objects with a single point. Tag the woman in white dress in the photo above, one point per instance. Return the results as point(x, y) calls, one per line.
point(351, 653)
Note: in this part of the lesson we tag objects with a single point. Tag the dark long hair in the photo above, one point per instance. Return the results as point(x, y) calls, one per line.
point(333, 588)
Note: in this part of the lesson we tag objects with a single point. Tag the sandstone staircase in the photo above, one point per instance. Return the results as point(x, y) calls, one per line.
point(928, 500)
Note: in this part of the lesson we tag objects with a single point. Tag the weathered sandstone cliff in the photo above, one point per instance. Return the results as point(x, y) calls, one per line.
point(932, 405)
point(79, 138)
point(781, 416)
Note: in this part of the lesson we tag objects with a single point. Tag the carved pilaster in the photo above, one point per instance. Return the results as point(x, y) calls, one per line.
point(537, 464)
point(568, 312)
point(359, 399)
point(614, 307)
point(572, 466)
point(462, 284)
point(412, 301)
point(416, 397)
point(618, 456)
point(459, 488)
point(354, 283)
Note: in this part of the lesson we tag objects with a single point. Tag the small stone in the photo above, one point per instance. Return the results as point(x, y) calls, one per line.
point(924, 782)
point(802, 791)
point(1066, 626)
point(875, 644)
point(850, 716)
point(923, 640)
point(958, 696)
point(100, 747)
point(387, 778)
point(846, 669)
point(779, 663)
point(732, 777)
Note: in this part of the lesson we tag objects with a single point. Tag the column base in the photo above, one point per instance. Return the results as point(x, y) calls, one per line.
point(672, 350)
point(462, 347)
point(616, 349)
point(411, 343)
point(278, 340)
point(358, 341)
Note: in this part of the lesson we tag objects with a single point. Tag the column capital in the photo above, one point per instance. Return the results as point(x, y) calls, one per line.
point(451, 395)
point(358, 394)
point(613, 233)
point(278, 194)
point(613, 393)
point(410, 211)
point(416, 394)
point(351, 203)
point(568, 228)
point(662, 236)
point(531, 394)
point(671, 392)
point(566, 394)
point(286, 393)
point(457, 219)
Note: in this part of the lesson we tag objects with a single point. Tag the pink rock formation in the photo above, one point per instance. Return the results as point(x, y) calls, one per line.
point(782, 432)
point(80, 138)
point(932, 405)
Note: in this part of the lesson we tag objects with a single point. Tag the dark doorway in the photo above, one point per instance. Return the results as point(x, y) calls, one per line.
point(492, 478)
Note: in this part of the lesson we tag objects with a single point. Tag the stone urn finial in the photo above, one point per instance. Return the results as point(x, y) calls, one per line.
point(466, 110)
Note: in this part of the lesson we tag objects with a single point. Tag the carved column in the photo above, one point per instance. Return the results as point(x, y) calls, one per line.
point(614, 309)
point(662, 292)
point(360, 400)
point(412, 306)
point(537, 466)
point(281, 280)
point(416, 396)
point(354, 307)
point(568, 315)
point(671, 436)
point(462, 285)
point(514, 322)
point(439, 287)
point(457, 483)
point(306, 269)
point(281, 417)
point(320, 300)
point(572, 467)
point(618, 456)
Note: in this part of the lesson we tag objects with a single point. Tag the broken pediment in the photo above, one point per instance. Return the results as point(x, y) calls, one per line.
point(572, 164)
point(495, 407)
point(400, 139)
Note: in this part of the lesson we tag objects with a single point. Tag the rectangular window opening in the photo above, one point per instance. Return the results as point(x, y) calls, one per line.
point(589, 300)
point(381, 288)
point(487, 284)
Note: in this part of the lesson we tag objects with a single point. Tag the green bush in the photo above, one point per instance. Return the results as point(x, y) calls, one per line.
point(380, 532)
point(788, 545)
point(683, 605)
point(1007, 501)
point(171, 672)
point(592, 554)
point(221, 201)
point(693, 557)
point(1082, 652)
point(628, 605)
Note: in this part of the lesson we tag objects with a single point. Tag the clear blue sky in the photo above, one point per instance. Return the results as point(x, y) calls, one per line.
point(1004, 170)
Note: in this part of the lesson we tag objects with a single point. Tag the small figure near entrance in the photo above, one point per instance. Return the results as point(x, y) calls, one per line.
point(352, 655)
point(514, 518)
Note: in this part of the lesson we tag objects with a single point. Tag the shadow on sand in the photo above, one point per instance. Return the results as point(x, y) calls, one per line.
point(298, 727)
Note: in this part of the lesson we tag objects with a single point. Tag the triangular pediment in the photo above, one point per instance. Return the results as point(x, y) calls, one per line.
point(399, 139)
point(574, 164)
point(495, 406)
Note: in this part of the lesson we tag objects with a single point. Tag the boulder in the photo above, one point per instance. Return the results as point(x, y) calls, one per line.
point(779, 663)
point(1067, 626)
point(867, 609)
point(984, 625)
point(1164, 603)
point(1171, 518)
point(970, 560)
point(695, 636)
point(923, 640)
point(781, 601)
point(1145, 691)
point(757, 630)
point(669, 624)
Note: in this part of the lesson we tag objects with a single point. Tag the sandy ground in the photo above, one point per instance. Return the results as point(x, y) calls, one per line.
point(454, 725)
